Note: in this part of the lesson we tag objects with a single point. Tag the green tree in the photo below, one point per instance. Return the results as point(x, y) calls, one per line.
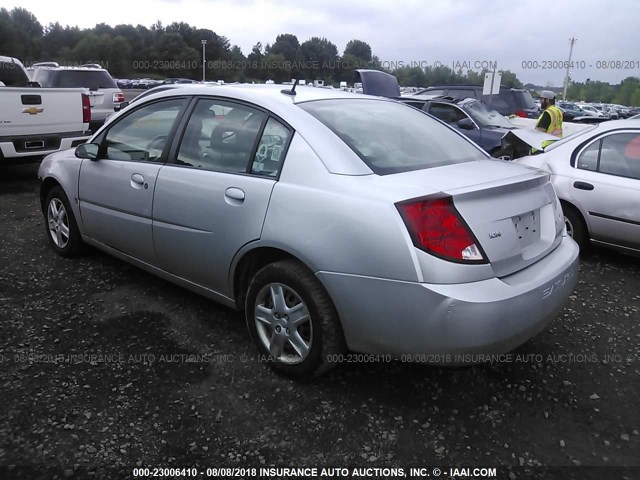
point(320, 53)
point(509, 79)
point(359, 49)
point(287, 45)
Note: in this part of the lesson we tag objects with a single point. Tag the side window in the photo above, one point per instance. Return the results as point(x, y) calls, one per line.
point(620, 155)
point(417, 105)
point(588, 159)
point(143, 134)
point(461, 93)
point(434, 92)
point(447, 113)
point(220, 136)
point(271, 149)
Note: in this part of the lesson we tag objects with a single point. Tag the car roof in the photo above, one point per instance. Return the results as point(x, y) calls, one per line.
point(262, 94)
point(73, 69)
point(618, 124)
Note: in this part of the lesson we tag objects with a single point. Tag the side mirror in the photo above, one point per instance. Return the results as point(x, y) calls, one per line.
point(466, 124)
point(34, 85)
point(120, 106)
point(87, 150)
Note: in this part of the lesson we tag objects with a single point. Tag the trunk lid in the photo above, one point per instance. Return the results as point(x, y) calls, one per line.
point(512, 210)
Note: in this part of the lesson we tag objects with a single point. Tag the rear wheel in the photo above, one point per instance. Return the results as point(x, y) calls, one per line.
point(62, 229)
point(576, 227)
point(292, 320)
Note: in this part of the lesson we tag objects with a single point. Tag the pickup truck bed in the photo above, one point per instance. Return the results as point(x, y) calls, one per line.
point(39, 121)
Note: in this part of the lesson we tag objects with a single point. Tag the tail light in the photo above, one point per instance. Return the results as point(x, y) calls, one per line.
point(86, 109)
point(118, 97)
point(437, 228)
point(521, 114)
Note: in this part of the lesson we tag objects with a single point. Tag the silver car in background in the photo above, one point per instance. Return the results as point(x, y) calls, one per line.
point(596, 174)
point(334, 220)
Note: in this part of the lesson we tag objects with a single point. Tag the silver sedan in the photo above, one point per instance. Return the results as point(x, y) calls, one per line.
point(596, 174)
point(336, 221)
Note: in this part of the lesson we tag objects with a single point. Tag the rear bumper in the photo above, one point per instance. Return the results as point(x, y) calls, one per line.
point(491, 316)
point(44, 144)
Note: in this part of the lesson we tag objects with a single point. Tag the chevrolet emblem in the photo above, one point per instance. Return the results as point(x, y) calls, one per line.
point(33, 110)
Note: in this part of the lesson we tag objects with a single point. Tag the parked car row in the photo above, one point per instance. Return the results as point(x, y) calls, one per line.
point(146, 83)
point(600, 111)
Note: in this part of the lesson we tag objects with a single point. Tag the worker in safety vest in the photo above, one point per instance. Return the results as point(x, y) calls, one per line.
point(550, 121)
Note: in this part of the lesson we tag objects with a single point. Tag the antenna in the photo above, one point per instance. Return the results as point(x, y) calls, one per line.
point(291, 92)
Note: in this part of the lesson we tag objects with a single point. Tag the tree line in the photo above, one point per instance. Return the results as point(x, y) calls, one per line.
point(175, 50)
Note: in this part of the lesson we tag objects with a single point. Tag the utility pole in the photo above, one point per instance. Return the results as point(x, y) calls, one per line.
point(204, 59)
point(572, 41)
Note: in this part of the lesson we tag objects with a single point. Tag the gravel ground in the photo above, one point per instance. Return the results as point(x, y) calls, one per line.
point(96, 372)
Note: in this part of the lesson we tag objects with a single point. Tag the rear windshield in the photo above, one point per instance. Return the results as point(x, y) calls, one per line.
point(391, 137)
point(523, 99)
point(12, 75)
point(78, 78)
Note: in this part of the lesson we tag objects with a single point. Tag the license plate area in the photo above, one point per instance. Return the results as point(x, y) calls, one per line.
point(527, 227)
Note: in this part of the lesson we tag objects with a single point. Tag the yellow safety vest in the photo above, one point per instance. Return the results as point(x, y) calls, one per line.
point(555, 125)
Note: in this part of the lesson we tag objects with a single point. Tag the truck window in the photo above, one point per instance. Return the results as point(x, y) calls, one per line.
point(12, 75)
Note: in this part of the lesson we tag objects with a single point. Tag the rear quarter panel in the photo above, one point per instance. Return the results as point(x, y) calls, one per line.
point(336, 223)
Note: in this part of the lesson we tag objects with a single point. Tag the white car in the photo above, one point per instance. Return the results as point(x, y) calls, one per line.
point(590, 110)
point(596, 175)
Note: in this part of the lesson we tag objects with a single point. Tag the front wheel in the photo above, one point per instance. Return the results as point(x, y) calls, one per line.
point(292, 320)
point(62, 229)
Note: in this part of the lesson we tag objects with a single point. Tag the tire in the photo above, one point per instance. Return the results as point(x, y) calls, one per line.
point(277, 293)
point(576, 227)
point(60, 224)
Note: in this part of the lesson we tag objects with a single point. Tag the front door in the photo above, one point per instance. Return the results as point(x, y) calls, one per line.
point(116, 189)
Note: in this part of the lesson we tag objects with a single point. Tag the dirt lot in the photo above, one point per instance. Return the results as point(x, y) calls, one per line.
point(95, 371)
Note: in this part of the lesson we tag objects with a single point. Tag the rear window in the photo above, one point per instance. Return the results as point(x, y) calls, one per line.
point(12, 75)
point(390, 137)
point(92, 79)
point(523, 99)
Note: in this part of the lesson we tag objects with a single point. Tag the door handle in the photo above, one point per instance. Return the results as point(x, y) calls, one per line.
point(234, 196)
point(583, 186)
point(137, 181)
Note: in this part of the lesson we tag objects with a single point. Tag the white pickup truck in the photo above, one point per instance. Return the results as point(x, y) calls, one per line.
point(38, 121)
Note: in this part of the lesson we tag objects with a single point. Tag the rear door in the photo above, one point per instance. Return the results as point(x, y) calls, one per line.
point(607, 186)
point(212, 197)
point(116, 190)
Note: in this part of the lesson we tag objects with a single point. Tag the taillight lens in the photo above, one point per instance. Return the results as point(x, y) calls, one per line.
point(437, 228)
point(86, 109)
point(118, 97)
point(521, 114)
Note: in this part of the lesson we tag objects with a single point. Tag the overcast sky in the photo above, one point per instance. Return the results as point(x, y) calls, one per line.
point(515, 34)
